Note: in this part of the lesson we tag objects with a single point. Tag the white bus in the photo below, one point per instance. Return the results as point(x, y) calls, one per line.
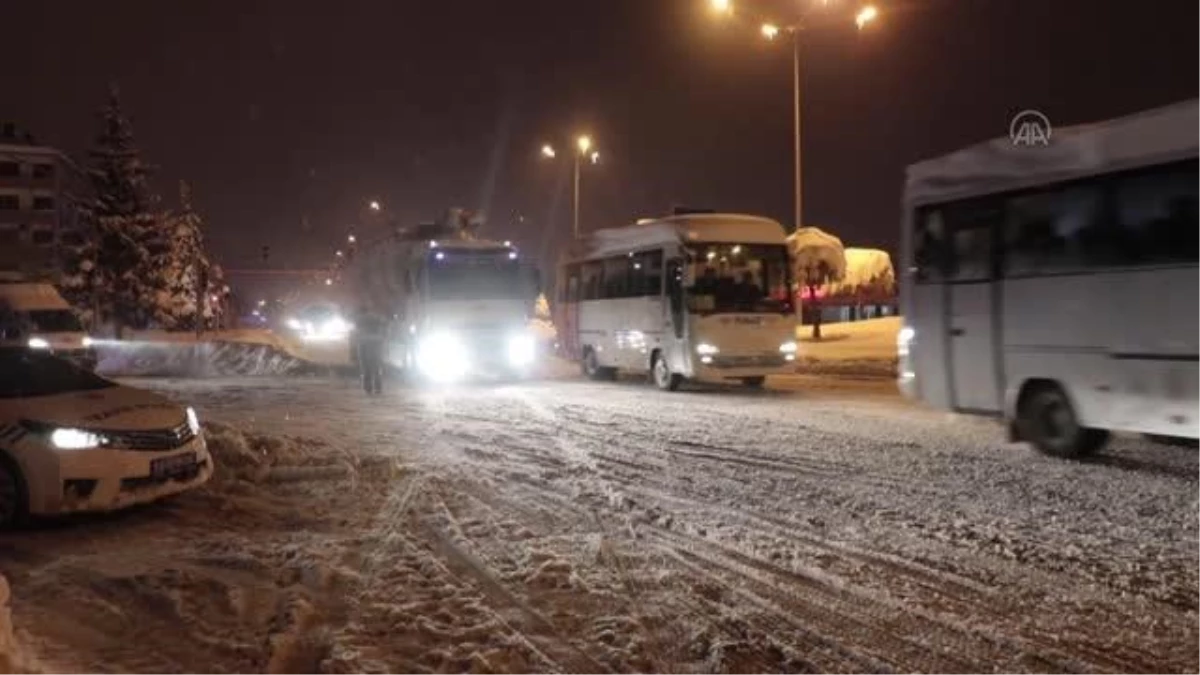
point(1056, 285)
point(686, 297)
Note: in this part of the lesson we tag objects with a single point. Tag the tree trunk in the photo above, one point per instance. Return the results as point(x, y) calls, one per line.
point(816, 312)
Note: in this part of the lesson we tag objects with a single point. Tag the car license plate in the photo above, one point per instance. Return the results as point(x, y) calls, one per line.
point(165, 467)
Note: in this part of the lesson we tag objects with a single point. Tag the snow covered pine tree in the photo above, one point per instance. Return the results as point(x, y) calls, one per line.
point(129, 244)
point(184, 274)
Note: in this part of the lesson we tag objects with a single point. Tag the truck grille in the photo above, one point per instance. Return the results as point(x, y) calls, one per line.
point(150, 439)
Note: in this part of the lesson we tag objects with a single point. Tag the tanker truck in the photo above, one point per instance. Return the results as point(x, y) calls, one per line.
point(458, 306)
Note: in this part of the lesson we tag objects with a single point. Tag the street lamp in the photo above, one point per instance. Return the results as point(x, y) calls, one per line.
point(375, 205)
point(771, 31)
point(584, 146)
point(351, 239)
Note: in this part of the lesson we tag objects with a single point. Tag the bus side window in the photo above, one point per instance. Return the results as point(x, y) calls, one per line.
point(973, 225)
point(1055, 230)
point(929, 245)
point(1156, 214)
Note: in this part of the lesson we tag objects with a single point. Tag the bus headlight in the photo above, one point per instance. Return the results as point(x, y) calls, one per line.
point(521, 350)
point(705, 349)
point(442, 357)
point(788, 347)
point(38, 343)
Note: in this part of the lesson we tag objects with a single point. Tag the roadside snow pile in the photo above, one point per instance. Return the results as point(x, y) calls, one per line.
point(259, 458)
point(866, 348)
point(12, 657)
point(195, 359)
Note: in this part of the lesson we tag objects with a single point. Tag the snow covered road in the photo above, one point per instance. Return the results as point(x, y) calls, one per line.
point(573, 526)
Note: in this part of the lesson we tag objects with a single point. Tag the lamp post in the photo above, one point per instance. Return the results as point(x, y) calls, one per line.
point(584, 151)
point(771, 31)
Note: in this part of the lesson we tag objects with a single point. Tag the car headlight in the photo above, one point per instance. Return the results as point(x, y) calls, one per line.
point(788, 347)
point(442, 357)
point(75, 439)
point(521, 350)
point(88, 341)
point(38, 343)
point(705, 349)
point(193, 421)
point(294, 324)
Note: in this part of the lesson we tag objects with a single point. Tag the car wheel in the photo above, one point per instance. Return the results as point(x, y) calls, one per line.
point(663, 377)
point(1048, 420)
point(14, 504)
point(756, 382)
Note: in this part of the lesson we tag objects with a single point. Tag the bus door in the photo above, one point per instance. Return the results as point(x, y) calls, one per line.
point(674, 336)
point(972, 299)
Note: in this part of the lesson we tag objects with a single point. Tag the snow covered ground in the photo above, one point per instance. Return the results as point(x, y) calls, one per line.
point(573, 526)
point(862, 348)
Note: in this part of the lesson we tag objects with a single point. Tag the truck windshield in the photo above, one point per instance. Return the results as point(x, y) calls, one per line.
point(739, 278)
point(475, 279)
point(55, 321)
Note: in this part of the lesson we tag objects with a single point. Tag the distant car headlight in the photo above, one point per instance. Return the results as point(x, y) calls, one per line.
point(788, 347)
point(75, 439)
point(442, 357)
point(521, 350)
point(294, 324)
point(38, 343)
point(193, 420)
point(705, 349)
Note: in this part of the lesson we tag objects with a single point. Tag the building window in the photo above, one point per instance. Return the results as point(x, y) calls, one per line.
point(43, 170)
point(71, 238)
point(10, 202)
point(9, 169)
point(42, 237)
point(43, 203)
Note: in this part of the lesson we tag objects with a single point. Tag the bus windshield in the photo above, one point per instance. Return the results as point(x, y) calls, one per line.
point(475, 278)
point(739, 278)
point(55, 321)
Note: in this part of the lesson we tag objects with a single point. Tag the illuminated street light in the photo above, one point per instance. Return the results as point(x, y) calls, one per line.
point(375, 206)
point(865, 15)
point(329, 282)
point(773, 31)
point(338, 253)
point(351, 239)
point(585, 144)
point(585, 152)
point(548, 151)
point(721, 6)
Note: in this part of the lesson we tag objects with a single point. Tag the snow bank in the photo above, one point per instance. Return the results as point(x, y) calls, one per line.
point(136, 358)
point(13, 658)
point(258, 458)
point(865, 348)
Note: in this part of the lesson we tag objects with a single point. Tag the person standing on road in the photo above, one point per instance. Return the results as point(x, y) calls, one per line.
point(372, 332)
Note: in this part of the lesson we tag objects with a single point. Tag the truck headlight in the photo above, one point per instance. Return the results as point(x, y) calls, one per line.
point(75, 439)
point(705, 349)
point(193, 420)
point(788, 347)
point(442, 357)
point(38, 343)
point(521, 350)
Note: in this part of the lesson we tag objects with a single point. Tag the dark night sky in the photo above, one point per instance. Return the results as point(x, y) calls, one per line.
point(287, 118)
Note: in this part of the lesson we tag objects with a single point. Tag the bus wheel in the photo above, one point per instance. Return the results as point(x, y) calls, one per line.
point(14, 504)
point(593, 370)
point(755, 382)
point(663, 377)
point(1048, 420)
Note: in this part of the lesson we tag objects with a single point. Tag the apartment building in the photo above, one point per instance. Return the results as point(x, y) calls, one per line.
point(42, 195)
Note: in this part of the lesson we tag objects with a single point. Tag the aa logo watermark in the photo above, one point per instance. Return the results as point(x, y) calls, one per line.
point(1030, 128)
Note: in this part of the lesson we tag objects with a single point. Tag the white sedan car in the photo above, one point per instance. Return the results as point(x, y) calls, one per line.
point(73, 441)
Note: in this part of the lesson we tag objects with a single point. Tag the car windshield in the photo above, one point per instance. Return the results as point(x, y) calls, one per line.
point(55, 321)
point(739, 278)
point(28, 373)
point(474, 278)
